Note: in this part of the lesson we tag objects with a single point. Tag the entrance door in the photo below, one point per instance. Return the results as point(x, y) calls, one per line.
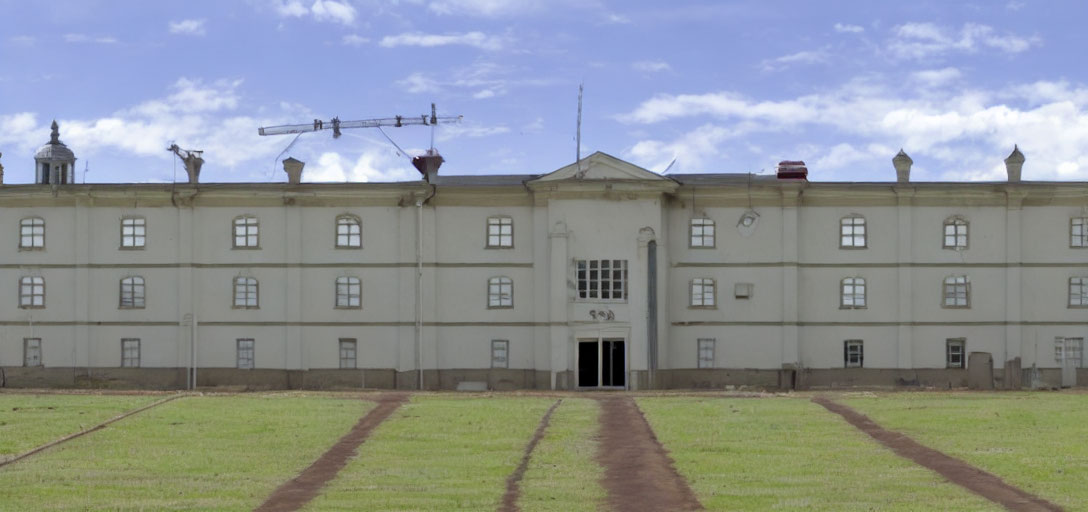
point(602, 363)
point(1070, 351)
point(588, 364)
point(613, 369)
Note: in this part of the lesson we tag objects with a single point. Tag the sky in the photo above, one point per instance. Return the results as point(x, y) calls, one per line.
point(715, 86)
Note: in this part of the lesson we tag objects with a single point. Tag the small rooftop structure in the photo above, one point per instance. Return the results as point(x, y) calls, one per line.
point(54, 163)
point(792, 170)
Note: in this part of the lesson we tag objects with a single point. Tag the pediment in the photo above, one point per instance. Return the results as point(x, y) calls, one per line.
point(602, 167)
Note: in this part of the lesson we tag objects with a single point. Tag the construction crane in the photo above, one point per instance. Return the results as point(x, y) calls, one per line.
point(193, 160)
point(335, 124)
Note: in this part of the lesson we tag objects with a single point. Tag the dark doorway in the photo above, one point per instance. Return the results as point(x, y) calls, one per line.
point(612, 366)
point(602, 363)
point(588, 363)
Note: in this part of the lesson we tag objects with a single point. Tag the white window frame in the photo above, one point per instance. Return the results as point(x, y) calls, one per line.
point(246, 293)
point(132, 293)
point(32, 346)
point(246, 354)
point(591, 281)
point(349, 352)
point(500, 232)
point(500, 353)
point(349, 292)
point(349, 232)
point(130, 352)
point(1078, 292)
point(133, 233)
point(853, 353)
point(246, 232)
point(32, 234)
point(956, 292)
point(1078, 232)
point(1069, 347)
point(704, 293)
point(853, 232)
point(955, 235)
point(500, 292)
point(951, 347)
point(702, 233)
point(853, 293)
point(32, 292)
point(706, 348)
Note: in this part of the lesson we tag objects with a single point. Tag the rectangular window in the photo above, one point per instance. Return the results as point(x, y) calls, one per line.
point(500, 292)
point(130, 353)
point(245, 353)
point(132, 293)
point(702, 292)
point(347, 353)
point(706, 352)
point(1069, 349)
point(246, 232)
point(1078, 232)
point(32, 233)
point(702, 233)
point(499, 353)
point(955, 234)
point(852, 232)
point(349, 292)
point(852, 293)
point(956, 357)
point(133, 233)
point(1078, 292)
point(245, 293)
point(853, 353)
point(603, 280)
point(957, 292)
point(32, 292)
point(32, 351)
point(500, 232)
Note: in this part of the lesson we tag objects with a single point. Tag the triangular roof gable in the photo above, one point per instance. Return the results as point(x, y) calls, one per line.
point(602, 166)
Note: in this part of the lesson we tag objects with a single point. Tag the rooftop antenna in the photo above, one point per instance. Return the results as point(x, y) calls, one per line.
point(86, 164)
point(666, 171)
point(578, 133)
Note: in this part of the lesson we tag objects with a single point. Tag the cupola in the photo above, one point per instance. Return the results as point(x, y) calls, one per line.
point(54, 163)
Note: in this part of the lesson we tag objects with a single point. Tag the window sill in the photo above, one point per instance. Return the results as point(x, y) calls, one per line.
point(600, 301)
point(703, 307)
point(245, 307)
point(1077, 306)
point(945, 306)
point(31, 249)
point(702, 247)
point(31, 307)
point(347, 307)
point(954, 248)
point(134, 248)
point(853, 248)
point(489, 247)
point(347, 247)
point(853, 307)
point(500, 307)
point(131, 307)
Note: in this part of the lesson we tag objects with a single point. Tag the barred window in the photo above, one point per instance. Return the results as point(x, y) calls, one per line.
point(955, 233)
point(349, 292)
point(852, 293)
point(32, 352)
point(349, 232)
point(955, 350)
point(604, 280)
point(246, 232)
point(702, 233)
point(853, 353)
point(347, 353)
point(957, 292)
point(32, 292)
point(1078, 232)
point(1078, 292)
point(132, 293)
point(130, 353)
point(133, 232)
point(500, 292)
point(32, 233)
point(500, 353)
point(702, 292)
point(500, 232)
point(852, 232)
point(706, 352)
point(245, 293)
point(245, 353)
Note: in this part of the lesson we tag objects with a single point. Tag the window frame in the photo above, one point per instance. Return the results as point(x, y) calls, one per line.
point(953, 342)
point(1080, 282)
point(30, 304)
point(126, 359)
point(31, 222)
point(499, 223)
point(252, 355)
point(702, 223)
point(588, 290)
point(141, 237)
point(505, 362)
point(955, 222)
point(256, 293)
point(853, 218)
point(352, 221)
point(864, 285)
point(495, 292)
point(26, 353)
point(860, 353)
point(1082, 241)
point(349, 282)
point(1061, 344)
point(141, 285)
point(703, 283)
point(343, 343)
point(243, 221)
point(701, 361)
point(945, 287)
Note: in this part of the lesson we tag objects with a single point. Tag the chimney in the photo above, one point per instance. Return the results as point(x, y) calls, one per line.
point(428, 164)
point(1014, 164)
point(1, 171)
point(293, 168)
point(902, 164)
point(792, 170)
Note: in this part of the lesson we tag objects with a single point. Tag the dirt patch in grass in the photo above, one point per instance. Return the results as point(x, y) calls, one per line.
point(510, 499)
point(303, 488)
point(956, 471)
point(639, 475)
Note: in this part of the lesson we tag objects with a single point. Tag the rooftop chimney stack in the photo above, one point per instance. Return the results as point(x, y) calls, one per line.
point(1, 171)
point(293, 168)
point(902, 164)
point(1014, 164)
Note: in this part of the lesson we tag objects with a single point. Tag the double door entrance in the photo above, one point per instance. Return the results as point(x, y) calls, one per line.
point(602, 363)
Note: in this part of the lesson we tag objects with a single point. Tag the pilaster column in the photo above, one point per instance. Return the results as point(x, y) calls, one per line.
point(791, 209)
point(905, 298)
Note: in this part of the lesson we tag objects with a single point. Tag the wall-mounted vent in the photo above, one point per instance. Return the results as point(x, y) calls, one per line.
point(743, 290)
point(792, 170)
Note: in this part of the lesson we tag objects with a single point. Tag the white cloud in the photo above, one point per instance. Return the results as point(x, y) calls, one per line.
point(373, 165)
point(802, 57)
point(936, 77)
point(484, 94)
point(485, 8)
point(924, 40)
point(455, 131)
point(481, 80)
point(417, 83)
point(84, 38)
point(616, 19)
point(190, 27)
point(354, 40)
point(321, 10)
point(844, 28)
point(474, 39)
point(292, 8)
point(651, 66)
point(693, 151)
point(23, 40)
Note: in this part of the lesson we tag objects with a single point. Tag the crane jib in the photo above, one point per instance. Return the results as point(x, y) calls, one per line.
point(336, 124)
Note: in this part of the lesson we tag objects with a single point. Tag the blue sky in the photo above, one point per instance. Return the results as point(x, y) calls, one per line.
point(717, 86)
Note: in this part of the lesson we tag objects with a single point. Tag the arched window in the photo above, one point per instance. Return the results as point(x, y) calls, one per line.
point(246, 232)
point(955, 233)
point(702, 233)
point(349, 232)
point(500, 232)
point(245, 293)
point(32, 234)
point(133, 232)
point(349, 293)
point(132, 293)
point(852, 233)
point(852, 293)
point(500, 292)
point(957, 292)
point(32, 292)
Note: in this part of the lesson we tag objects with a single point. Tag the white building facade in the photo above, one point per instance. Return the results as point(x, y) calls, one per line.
point(598, 275)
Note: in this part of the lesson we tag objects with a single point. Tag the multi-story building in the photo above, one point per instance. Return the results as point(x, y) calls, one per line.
point(599, 274)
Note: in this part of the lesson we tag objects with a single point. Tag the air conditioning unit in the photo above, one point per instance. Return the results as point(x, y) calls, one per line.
point(743, 290)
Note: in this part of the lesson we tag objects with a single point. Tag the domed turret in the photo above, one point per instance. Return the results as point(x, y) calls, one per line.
point(54, 163)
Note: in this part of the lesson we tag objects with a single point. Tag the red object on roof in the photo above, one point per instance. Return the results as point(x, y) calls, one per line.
point(792, 170)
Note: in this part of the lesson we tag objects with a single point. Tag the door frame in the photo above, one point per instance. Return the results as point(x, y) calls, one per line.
point(599, 340)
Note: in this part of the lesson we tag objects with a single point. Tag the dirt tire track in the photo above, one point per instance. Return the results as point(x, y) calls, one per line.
point(297, 492)
point(638, 472)
point(81, 433)
point(961, 473)
point(513, 490)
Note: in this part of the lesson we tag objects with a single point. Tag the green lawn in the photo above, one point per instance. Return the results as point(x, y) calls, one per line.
point(29, 421)
point(1035, 441)
point(563, 472)
point(438, 452)
point(791, 454)
point(215, 452)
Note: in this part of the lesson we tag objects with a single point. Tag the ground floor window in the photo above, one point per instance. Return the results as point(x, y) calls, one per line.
point(130, 353)
point(245, 353)
point(706, 352)
point(500, 353)
point(1069, 349)
point(853, 353)
point(32, 352)
point(955, 351)
point(347, 353)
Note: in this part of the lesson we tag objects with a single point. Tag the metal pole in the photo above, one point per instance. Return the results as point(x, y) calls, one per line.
point(578, 136)
point(193, 344)
point(419, 289)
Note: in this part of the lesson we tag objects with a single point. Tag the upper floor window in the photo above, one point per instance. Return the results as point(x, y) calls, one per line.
point(852, 293)
point(349, 292)
point(1078, 232)
point(245, 293)
point(246, 232)
point(132, 293)
point(955, 233)
point(1078, 292)
point(852, 232)
point(853, 353)
point(130, 353)
point(31, 234)
point(702, 292)
point(133, 232)
point(957, 292)
point(702, 233)
point(349, 232)
point(602, 279)
point(500, 292)
point(32, 292)
point(500, 232)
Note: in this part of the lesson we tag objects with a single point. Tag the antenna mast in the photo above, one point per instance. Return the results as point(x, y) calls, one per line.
point(578, 136)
